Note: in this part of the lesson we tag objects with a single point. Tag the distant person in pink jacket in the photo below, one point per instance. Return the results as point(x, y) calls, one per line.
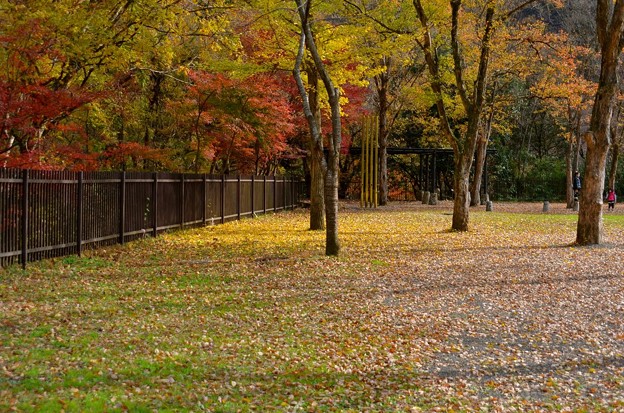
point(611, 198)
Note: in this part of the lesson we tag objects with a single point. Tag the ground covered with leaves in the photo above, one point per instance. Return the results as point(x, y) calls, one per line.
point(250, 316)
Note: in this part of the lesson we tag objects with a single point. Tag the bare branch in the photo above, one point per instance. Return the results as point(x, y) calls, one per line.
point(458, 62)
point(518, 8)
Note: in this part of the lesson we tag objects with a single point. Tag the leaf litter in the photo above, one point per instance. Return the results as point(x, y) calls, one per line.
point(250, 316)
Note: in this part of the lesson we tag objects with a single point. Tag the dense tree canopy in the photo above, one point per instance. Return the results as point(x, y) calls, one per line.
point(207, 86)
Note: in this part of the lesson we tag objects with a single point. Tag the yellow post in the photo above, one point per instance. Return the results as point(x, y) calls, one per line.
point(368, 163)
point(375, 160)
point(362, 170)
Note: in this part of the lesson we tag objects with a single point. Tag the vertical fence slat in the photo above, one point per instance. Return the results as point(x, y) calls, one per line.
point(264, 191)
point(253, 194)
point(223, 199)
point(24, 218)
point(122, 207)
point(204, 200)
point(284, 190)
point(79, 195)
point(238, 197)
point(155, 204)
point(182, 203)
point(274, 193)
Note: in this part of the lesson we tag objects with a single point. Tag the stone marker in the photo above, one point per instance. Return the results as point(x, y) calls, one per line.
point(546, 207)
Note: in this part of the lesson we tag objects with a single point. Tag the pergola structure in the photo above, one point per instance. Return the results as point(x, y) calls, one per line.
point(428, 173)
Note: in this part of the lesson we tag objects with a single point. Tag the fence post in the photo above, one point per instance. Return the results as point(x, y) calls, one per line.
point(122, 207)
point(155, 204)
point(264, 186)
point(182, 206)
point(223, 198)
point(253, 194)
point(79, 193)
point(284, 190)
point(274, 193)
point(238, 197)
point(205, 201)
point(24, 218)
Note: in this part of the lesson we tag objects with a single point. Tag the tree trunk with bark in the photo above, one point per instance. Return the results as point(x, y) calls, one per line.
point(382, 81)
point(475, 186)
point(481, 153)
point(461, 206)
point(569, 172)
point(473, 103)
point(332, 243)
point(610, 26)
point(616, 139)
point(316, 157)
point(332, 170)
point(615, 157)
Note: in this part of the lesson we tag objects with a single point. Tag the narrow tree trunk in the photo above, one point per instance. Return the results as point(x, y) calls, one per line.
point(569, 173)
point(579, 141)
point(481, 152)
point(317, 159)
point(382, 90)
point(317, 186)
point(332, 180)
point(332, 244)
point(475, 186)
point(461, 205)
point(333, 166)
point(615, 157)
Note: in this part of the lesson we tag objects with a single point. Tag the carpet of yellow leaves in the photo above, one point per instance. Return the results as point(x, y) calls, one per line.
point(250, 316)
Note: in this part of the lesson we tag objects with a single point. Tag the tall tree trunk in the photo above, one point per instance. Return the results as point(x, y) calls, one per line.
point(610, 26)
point(316, 157)
point(475, 186)
point(579, 141)
point(616, 138)
point(382, 81)
point(332, 244)
point(461, 205)
point(589, 228)
point(481, 154)
point(332, 176)
point(473, 103)
point(569, 172)
point(317, 185)
point(615, 157)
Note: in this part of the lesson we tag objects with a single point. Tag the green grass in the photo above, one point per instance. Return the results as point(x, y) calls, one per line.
point(251, 316)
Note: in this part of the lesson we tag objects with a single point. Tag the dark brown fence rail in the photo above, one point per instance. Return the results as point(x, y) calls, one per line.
point(46, 214)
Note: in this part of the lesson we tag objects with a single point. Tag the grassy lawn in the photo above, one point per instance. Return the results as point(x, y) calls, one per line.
point(250, 316)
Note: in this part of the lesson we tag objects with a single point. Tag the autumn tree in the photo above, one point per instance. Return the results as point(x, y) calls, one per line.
point(331, 167)
point(462, 142)
point(30, 110)
point(235, 124)
point(610, 29)
point(617, 136)
point(566, 92)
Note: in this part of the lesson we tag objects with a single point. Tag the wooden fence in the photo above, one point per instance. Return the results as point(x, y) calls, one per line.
point(47, 214)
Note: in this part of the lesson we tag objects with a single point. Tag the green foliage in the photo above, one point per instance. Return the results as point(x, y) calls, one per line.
point(538, 180)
